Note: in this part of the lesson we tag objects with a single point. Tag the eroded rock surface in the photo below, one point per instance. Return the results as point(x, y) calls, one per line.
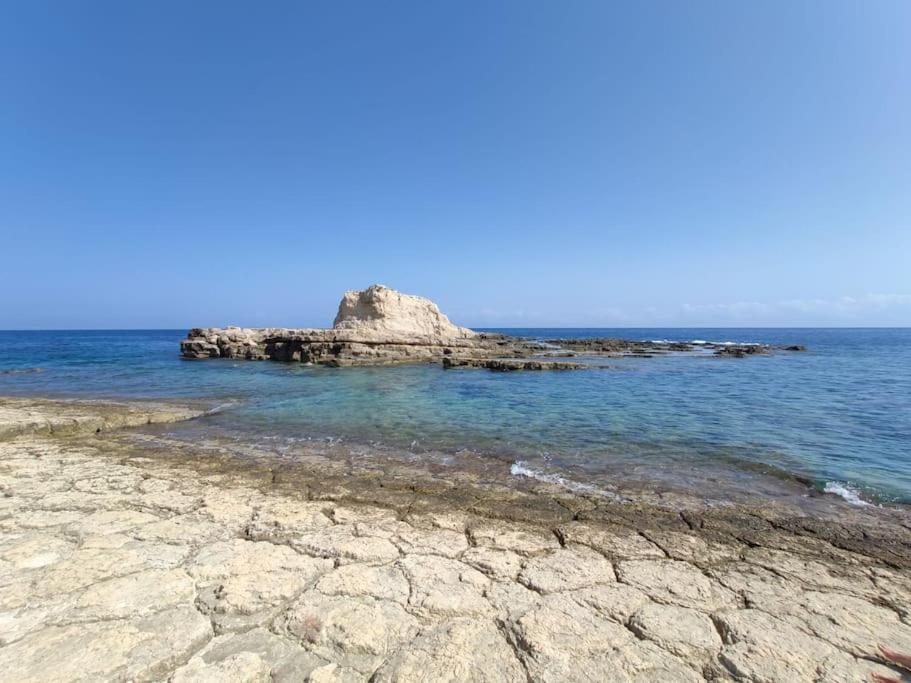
point(37, 416)
point(115, 565)
point(389, 314)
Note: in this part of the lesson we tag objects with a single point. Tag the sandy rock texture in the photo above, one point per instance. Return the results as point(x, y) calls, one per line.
point(120, 560)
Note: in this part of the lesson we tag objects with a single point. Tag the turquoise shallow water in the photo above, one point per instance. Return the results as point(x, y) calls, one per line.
point(838, 415)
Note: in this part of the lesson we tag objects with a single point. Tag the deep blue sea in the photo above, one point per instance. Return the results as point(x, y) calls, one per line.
point(838, 415)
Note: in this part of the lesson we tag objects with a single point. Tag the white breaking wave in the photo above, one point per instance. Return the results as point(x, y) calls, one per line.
point(220, 407)
point(703, 342)
point(846, 491)
point(520, 469)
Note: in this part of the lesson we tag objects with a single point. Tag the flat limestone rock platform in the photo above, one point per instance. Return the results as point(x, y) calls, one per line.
point(131, 556)
point(59, 417)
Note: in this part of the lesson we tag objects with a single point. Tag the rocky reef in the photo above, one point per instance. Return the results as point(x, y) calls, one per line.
point(380, 326)
point(509, 364)
point(374, 326)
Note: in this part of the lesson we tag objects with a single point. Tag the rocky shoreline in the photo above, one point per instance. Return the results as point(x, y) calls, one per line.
point(130, 556)
point(380, 326)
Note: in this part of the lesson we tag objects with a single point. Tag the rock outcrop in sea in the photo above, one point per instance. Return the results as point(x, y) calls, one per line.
point(386, 314)
point(380, 326)
point(374, 326)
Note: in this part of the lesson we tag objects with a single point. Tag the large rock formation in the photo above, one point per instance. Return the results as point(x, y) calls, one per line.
point(389, 314)
point(374, 326)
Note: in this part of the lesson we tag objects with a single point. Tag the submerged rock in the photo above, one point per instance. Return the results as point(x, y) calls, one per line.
point(508, 364)
point(742, 350)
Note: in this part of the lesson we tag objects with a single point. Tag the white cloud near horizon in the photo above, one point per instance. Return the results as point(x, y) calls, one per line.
point(843, 309)
point(873, 309)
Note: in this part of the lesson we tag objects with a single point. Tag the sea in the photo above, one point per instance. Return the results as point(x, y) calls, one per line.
point(834, 420)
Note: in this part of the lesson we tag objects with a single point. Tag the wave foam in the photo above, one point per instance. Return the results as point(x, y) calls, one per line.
point(21, 371)
point(846, 491)
point(703, 342)
point(221, 407)
point(520, 469)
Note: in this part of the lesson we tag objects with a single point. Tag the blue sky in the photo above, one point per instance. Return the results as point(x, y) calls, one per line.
point(169, 164)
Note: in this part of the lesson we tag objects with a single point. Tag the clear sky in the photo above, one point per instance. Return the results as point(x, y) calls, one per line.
point(171, 164)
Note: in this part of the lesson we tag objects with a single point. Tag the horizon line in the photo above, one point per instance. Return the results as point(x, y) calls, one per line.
point(494, 327)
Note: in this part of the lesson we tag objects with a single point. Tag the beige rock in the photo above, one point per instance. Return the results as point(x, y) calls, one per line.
point(456, 650)
point(341, 541)
point(846, 578)
point(364, 515)
point(768, 650)
point(684, 632)
point(358, 633)
point(385, 582)
point(387, 313)
point(563, 570)
point(289, 661)
point(230, 506)
point(757, 586)
point(690, 548)
point(33, 551)
point(453, 520)
point(333, 673)
point(178, 529)
point(100, 558)
point(616, 600)
point(511, 600)
point(616, 542)
point(430, 542)
point(20, 416)
point(562, 640)
point(515, 537)
point(110, 522)
point(139, 649)
point(281, 519)
point(242, 583)
point(18, 619)
point(894, 590)
point(503, 565)
point(441, 587)
point(135, 595)
point(849, 623)
point(244, 667)
point(44, 519)
point(677, 583)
